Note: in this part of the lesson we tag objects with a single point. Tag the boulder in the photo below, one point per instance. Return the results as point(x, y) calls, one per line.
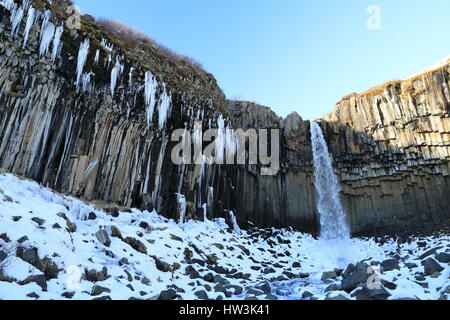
point(353, 276)
point(334, 287)
point(390, 265)
point(337, 297)
point(431, 266)
point(98, 290)
point(192, 273)
point(3, 255)
point(136, 245)
point(202, 295)
point(443, 257)
point(161, 265)
point(103, 238)
point(329, 275)
point(365, 293)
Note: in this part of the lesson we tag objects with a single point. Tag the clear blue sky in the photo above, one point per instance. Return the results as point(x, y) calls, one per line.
point(292, 55)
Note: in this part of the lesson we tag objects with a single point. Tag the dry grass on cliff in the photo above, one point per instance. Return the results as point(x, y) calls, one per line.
point(134, 37)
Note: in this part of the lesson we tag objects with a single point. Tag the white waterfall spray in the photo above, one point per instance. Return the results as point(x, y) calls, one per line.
point(333, 225)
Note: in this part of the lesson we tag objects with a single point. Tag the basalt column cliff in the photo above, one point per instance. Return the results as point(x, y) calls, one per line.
point(90, 112)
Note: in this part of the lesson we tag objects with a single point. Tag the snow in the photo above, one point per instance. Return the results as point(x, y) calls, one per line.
point(82, 57)
point(31, 18)
point(150, 88)
point(168, 239)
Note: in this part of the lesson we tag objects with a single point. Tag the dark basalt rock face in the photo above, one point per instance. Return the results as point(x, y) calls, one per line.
point(390, 147)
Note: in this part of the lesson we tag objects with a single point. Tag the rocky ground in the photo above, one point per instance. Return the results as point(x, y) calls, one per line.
point(57, 247)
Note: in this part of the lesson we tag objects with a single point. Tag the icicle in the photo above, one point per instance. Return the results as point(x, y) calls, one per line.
point(30, 22)
point(46, 38)
point(115, 73)
point(231, 142)
point(181, 200)
point(86, 81)
point(8, 4)
point(57, 42)
point(46, 20)
point(130, 77)
point(164, 108)
point(16, 18)
point(109, 47)
point(97, 56)
point(234, 223)
point(205, 212)
point(220, 140)
point(150, 95)
point(82, 57)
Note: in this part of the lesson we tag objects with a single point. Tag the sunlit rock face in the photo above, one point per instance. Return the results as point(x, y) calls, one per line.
point(95, 121)
point(391, 149)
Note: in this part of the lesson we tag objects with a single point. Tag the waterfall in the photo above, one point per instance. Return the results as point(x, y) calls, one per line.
point(333, 225)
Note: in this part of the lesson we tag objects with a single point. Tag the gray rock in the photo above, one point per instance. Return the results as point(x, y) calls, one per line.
point(103, 238)
point(39, 221)
point(92, 216)
point(31, 256)
point(98, 290)
point(209, 277)
point(220, 288)
point(329, 275)
point(170, 294)
point(255, 292)
point(68, 295)
point(105, 298)
point(202, 295)
point(353, 276)
point(365, 293)
point(334, 287)
point(431, 266)
point(390, 264)
point(136, 245)
point(161, 265)
point(22, 239)
point(443, 257)
point(96, 276)
point(264, 287)
point(428, 253)
point(39, 280)
point(307, 295)
point(192, 273)
point(238, 290)
point(3, 255)
point(411, 265)
point(339, 297)
point(33, 295)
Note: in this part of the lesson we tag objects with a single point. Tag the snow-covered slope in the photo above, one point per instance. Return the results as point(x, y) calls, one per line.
point(53, 247)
